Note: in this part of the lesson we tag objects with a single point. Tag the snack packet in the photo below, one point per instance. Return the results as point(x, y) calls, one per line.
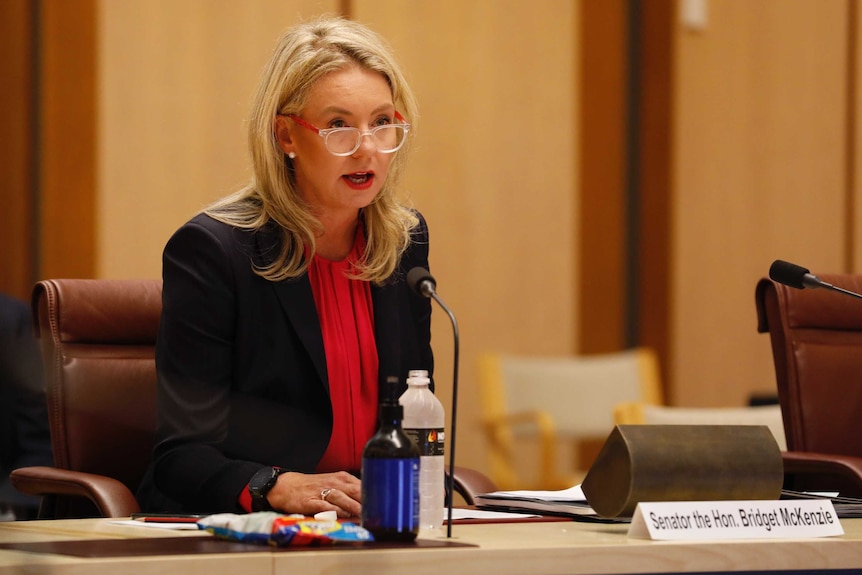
point(282, 530)
point(288, 530)
point(249, 528)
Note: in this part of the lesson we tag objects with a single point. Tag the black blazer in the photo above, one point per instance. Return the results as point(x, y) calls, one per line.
point(241, 365)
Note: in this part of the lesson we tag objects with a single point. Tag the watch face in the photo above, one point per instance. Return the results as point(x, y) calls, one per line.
point(263, 481)
point(259, 486)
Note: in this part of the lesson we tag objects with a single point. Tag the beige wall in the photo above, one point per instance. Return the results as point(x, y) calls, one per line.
point(494, 168)
point(759, 174)
point(176, 79)
point(495, 174)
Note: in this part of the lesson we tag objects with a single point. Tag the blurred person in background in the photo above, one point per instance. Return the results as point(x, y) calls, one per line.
point(24, 437)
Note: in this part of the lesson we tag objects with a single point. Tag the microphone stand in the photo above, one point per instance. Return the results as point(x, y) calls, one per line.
point(421, 281)
point(838, 289)
point(451, 479)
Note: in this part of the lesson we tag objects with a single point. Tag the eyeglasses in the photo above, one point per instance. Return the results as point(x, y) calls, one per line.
point(345, 141)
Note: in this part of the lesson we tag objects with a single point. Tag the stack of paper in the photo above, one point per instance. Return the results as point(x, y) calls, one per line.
point(845, 507)
point(568, 502)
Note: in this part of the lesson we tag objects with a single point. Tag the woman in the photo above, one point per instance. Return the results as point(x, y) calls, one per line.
point(285, 304)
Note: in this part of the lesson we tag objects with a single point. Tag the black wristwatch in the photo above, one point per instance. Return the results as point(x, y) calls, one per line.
point(259, 486)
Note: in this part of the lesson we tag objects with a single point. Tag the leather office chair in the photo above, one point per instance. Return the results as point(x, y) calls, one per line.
point(542, 402)
point(816, 340)
point(98, 345)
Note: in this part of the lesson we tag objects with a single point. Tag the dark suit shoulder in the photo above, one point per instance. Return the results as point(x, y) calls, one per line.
point(420, 232)
point(417, 252)
point(14, 316)
point(203, 232)
point(219, 229)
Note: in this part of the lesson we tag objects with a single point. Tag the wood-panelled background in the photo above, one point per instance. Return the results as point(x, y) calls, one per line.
point(760, 128)
point(125, 117)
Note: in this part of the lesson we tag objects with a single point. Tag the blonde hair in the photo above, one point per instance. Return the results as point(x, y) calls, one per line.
point(303, 55)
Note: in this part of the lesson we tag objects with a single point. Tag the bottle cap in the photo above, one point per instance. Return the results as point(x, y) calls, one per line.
point(390, 408)
point(418, 377)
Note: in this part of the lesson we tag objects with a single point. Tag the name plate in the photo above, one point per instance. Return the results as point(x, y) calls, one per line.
point(712, 520)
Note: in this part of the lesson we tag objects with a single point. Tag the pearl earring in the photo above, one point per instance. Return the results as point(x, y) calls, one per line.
point(291, 155)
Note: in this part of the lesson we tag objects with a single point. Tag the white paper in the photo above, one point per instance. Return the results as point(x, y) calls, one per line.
point(574, 493)
point(173, 526)
point(459, 513)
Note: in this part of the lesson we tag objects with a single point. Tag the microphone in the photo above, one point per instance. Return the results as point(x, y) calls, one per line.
point(800, 278)
point(424, 284)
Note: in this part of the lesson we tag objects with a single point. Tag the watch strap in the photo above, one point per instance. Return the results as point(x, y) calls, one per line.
point(260, 485)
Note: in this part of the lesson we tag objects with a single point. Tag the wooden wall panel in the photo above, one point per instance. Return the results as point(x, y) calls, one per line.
point(175, 85)
point(17, 251)
point(67, 139)
point(759, 174)
point(855, 131)
point(603, 130)
point(655, 162)
point(494, 171)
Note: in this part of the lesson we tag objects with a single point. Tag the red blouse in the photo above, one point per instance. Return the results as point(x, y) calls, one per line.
point(346, 315)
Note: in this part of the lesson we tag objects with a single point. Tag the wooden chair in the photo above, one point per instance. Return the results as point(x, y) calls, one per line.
point(546, 400)
point(816, 338)
point(98, 345)
point(638, 413)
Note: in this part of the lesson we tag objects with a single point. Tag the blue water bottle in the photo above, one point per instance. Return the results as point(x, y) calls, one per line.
point(390, 475)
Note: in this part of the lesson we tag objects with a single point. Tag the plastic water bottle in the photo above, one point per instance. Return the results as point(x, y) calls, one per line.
point(390, 475)
point(424, 421)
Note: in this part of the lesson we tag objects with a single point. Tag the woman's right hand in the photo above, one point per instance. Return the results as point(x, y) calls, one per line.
point(304, 493)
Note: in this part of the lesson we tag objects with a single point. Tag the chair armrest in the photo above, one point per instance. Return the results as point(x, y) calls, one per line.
point(469, 483)
point(499, 429)
point(111, 497)
point(537, 417)
point(803, 462)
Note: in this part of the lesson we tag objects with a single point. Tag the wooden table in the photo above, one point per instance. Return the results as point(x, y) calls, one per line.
point(496, 549)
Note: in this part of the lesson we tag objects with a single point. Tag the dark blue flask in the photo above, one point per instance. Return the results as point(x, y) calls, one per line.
point(390, 475)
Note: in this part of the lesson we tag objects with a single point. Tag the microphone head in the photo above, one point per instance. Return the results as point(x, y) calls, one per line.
point(417, 278)
point(788, 274)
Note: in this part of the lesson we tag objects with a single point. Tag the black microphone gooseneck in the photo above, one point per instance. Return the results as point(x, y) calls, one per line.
point(800, 278)
point(424, 284)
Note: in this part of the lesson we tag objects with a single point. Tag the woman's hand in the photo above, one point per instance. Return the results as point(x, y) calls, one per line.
point(312, 493)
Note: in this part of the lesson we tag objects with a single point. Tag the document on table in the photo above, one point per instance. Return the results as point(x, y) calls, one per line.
point(158, 525)
point(845, 507)
point(568, 502)
point(483, 514)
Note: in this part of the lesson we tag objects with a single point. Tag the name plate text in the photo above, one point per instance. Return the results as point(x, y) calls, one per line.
point(712, 520)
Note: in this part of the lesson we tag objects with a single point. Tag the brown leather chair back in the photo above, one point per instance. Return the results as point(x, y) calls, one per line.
point(817, 349)
point(98, 344)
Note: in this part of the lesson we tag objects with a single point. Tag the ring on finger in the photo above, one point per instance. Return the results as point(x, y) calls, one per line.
point(325, 493)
